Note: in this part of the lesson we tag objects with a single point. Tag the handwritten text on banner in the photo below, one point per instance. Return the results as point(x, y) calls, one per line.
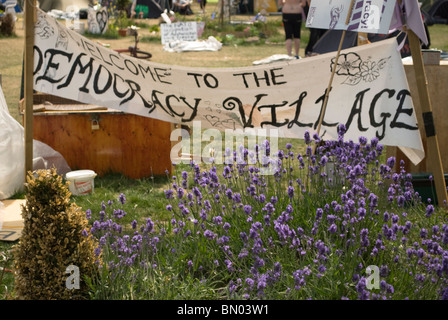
point(369, 93)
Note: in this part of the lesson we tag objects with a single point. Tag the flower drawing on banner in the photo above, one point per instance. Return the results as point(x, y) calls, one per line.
point(217, 122)
point(370, 70)
point(351, 65)
point(42, 27)
point(348, 64)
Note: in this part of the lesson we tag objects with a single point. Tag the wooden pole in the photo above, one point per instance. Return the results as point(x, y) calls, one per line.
point(433, 149)
point(30, 9)
point(324, 106)
point(428, 120)
point(221, 16)
point(362, 38)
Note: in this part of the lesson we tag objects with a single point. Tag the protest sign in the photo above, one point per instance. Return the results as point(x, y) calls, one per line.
point(370, 16)
point(179, 31)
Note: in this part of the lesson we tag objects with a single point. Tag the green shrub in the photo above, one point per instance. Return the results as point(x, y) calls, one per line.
point(7, 25)
point(53, 239)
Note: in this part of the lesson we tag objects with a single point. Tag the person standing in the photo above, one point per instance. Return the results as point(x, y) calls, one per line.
point(202, 4)
point(315, 35)
point(292, 12)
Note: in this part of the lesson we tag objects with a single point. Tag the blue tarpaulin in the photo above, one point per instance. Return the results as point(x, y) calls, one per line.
point(17, 7)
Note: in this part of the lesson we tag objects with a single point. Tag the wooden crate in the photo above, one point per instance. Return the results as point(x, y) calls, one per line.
point(437, 77)
point(103, 140)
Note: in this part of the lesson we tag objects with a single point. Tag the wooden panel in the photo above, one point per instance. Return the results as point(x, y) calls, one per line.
point(437, 78)
point(124, 143)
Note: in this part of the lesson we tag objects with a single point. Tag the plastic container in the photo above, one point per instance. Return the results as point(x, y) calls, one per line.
point(426, 186)
point(82, 182)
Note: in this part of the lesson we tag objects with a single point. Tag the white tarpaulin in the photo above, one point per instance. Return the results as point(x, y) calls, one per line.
point(12, 152)
point(369, 94)
point(211, 44)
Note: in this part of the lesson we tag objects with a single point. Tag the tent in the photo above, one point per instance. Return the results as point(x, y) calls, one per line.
point(329, 41)
point(437, 13)
point(155, 7)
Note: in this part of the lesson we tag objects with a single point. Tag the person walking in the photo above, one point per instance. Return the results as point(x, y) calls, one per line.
point(292, 12)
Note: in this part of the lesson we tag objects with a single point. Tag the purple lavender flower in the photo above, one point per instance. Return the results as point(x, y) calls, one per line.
point(363, 294)
point(236, 197)
point(291, 192)
point(247, 209)
point(209, 234)
point(391, 162)
point(250, 283)
point(423, 233)
point(197, 193)
point(122, 198)
point(333, 228)
point(307, 137)
point(429, 210)
point(229, 265)
point(362, 212)
point(341, 130)
point(180, 193)
point(321, 268)
point(362, 141)
point(319, 212)
point(169, 194)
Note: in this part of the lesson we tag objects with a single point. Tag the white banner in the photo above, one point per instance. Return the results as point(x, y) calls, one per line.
point(371, 16)
point(369, 94)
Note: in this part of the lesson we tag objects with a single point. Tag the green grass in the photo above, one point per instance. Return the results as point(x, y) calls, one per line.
point(144, 196)
point(438, 36)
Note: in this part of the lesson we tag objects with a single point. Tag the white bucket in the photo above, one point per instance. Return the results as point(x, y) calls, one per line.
point(81, 182)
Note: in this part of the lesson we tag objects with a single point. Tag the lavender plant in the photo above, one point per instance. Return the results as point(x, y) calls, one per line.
point(308, 231)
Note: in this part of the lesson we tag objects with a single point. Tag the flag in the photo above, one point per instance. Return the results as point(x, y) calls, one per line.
point(408, 14)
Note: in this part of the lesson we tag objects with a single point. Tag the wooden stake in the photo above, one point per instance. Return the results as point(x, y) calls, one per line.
point(362, 38)
point(30, 9)
point(435, 161)
point(324, 107)
point(426, 110)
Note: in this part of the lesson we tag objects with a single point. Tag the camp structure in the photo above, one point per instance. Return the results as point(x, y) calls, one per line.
point(48, 5)
point(435, 12)
point(155, 7)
